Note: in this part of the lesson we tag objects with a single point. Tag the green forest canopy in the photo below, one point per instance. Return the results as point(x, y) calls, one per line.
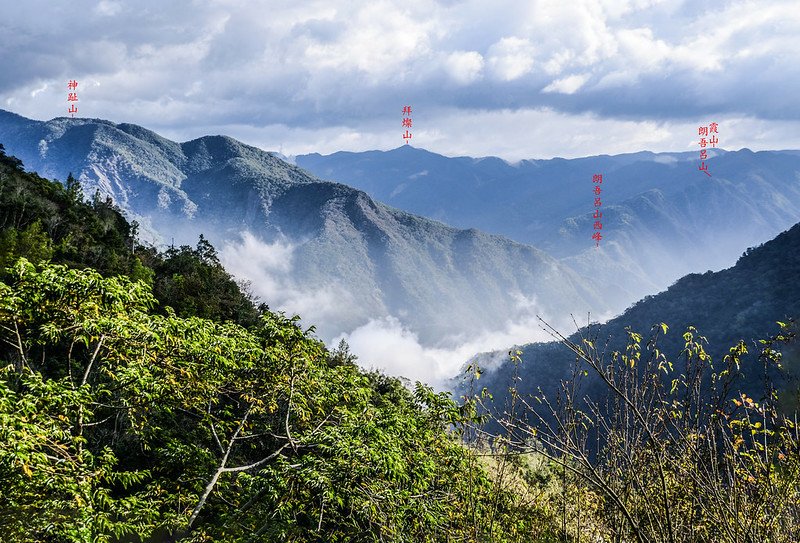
point(144, 394)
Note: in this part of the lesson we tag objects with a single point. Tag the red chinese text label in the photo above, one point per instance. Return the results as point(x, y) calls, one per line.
point(708, 138)
point(597, 179)
point(72, 96)
point(407, 123)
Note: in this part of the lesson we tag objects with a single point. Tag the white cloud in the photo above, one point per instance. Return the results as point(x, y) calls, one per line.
point(336, 73)
point(639, 48)
point(571, 34)
point(268, 267)
point(567, 85)
point(511, 58)
point(464, 67)
point(39, 90)
point(388, 345)
point(383, 342)
point(618, 8)
point(379, 39)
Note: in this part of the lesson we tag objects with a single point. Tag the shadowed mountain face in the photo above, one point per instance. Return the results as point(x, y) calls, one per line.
point(743, 302)
point(323, 249)
point(662, 218)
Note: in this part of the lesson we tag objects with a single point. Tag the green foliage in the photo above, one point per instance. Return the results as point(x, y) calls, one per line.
point(31, 243)
point(45, 220)
point(38, 212)
point(117, 420)
point(194, 283)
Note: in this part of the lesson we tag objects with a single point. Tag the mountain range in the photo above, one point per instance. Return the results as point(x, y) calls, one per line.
point(745, 302)
point(662, 217)
point(335, 254)
point(323, 249)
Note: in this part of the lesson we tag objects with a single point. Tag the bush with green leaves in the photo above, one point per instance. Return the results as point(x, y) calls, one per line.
point(120, 424)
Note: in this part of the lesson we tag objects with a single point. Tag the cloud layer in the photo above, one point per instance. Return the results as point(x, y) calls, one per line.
point(382, 342)
point(268, 267)
point(334, 75)
point(387, 345)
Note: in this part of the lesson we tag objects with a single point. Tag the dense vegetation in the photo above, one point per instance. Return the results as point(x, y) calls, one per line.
point(669, 450)
point(743, 302)
point(44, 220)
point(148, 399)
point(144, 397)
point(116, 420)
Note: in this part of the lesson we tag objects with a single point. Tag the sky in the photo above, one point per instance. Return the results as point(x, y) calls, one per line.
point(509, 78)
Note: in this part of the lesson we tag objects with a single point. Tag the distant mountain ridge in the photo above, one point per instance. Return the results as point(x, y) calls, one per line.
point(662, 218)
point(356, 259)
point(140, 170)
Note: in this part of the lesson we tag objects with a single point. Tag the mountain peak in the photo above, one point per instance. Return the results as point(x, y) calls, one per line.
point(367, 260)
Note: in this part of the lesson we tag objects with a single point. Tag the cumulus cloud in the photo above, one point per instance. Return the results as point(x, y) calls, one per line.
point(567, 85)
point(511, 58)
point(338, 71)
point(464, 66)
point(387, 344)
point(268, 267)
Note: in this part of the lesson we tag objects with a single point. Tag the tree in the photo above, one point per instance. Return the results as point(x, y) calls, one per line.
point(676, 452)
point(74, 189)
point(116, 420)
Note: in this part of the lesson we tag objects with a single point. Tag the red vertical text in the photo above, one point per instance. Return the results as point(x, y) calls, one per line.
point(407, 123)
point(72, 96)
point(708, 138)
point(597, 180)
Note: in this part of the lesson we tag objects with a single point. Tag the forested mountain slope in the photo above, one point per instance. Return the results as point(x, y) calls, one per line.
point(662, 218)
point(743, 302)
point(196, 416)
point(314, 246)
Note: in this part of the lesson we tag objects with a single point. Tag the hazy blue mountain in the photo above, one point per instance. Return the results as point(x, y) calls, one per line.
point(143, 172)
point(662, 218)
point(743, 302)
point(324, 249)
